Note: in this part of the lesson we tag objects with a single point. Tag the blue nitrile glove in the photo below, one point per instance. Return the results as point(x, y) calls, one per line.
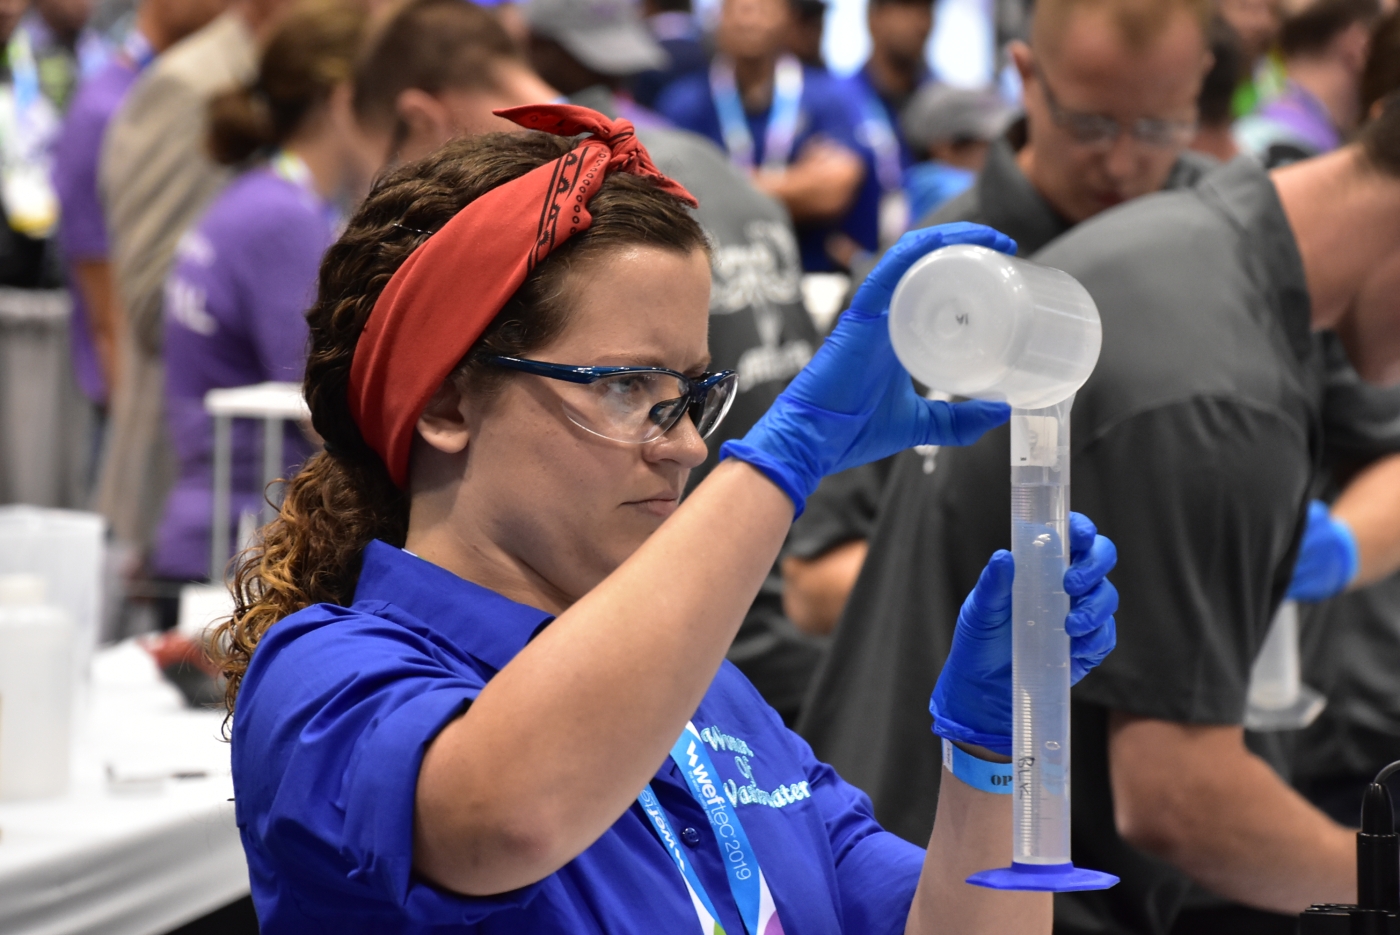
point(1327, 557)
point(972, 701)
point(854, 402)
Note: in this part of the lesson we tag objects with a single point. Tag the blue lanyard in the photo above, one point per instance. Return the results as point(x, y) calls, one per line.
point(137, 49)
point(746, 881)
point(783, 117)
point(289, 167)
point(883, 142)
point(24, 75)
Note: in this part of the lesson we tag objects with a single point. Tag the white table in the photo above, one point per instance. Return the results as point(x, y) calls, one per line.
point(140, 855)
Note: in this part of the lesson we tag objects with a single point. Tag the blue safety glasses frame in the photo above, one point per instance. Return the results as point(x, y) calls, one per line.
point(634, 405)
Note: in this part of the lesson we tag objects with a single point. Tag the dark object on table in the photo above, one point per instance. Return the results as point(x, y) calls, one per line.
point(1377, 909)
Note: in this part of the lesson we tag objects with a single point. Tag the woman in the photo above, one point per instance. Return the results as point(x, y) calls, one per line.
point(463, 651)
point(245, 274)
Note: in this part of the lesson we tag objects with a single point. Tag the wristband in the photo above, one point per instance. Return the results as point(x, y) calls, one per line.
point(979, 774)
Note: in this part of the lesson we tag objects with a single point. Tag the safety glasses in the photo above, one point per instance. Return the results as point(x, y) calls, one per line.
point(633, 405)
point(1101, 131)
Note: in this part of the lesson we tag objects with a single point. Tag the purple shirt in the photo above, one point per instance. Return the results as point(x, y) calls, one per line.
point(83, 230)
point(1305, 116)
point(235, 307)
point(1292, 126)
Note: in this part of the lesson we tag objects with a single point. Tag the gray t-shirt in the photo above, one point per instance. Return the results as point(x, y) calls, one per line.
point(1351, 644)
point(1194, 447)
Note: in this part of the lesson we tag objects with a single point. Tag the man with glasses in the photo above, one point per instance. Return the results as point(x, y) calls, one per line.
point(1197, 444)
point(1110, 100)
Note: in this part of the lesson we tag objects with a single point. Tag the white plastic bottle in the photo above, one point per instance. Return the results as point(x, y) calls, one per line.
point(36, 691)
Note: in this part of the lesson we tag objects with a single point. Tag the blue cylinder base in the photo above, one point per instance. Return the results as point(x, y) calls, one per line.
point(1043, 878)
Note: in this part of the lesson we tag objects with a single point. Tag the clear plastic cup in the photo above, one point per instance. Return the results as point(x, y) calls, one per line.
point(974, 322)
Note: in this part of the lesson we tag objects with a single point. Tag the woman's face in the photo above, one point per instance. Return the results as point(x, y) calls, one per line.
point(561, 505)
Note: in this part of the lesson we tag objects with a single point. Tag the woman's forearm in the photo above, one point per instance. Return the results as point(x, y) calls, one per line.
point(972, 832)
point(562, 740)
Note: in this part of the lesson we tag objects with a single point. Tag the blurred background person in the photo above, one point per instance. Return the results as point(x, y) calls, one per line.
point(672, 23)
point(1351, 643)
point(805, 32)
point(949, 132)
point(1110, 100)
point(1198, 438)
point(589, 49)
point(156, 177)
point(1215, 131)
point(899, 31)
point(63, 47)
point(1256, 22)
point(436, 71)
point(1324, 47)
point(793, 128)
point(96, 322)
point(1381, 78)
point(245, 273)
point(29, 124)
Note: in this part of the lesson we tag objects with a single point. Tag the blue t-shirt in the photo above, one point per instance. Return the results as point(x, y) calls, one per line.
point(932, 184)
point(831, 108)
point(888, 110)
point(339, 705)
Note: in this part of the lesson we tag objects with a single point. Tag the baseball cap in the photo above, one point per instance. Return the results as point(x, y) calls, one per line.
point(607, 36)
point(940, 113)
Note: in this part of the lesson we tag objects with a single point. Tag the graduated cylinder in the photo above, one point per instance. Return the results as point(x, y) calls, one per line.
point(1040, 653)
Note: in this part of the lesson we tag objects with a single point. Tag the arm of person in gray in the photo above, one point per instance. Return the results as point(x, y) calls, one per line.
point(1204, 525)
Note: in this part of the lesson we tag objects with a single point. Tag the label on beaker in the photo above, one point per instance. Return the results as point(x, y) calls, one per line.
point(1034, 440)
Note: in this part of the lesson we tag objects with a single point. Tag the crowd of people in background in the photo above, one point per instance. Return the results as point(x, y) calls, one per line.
point(180, 167)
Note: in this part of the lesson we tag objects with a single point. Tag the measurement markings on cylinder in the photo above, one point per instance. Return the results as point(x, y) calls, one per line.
point(1025, 769)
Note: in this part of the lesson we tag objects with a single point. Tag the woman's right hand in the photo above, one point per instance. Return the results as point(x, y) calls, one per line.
point(855, 403)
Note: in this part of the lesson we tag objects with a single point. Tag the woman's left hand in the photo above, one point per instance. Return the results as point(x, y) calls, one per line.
point(972, 701)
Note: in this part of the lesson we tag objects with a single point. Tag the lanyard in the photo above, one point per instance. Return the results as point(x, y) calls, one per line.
point(878, 133)
point(746, 881)
point(289, 167)
point(883, 142)
point(137, 49)
point(783, 117)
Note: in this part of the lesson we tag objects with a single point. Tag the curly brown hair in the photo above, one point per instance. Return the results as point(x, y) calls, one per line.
point(343, 497)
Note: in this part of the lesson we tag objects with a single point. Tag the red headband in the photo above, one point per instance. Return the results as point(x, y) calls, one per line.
point(444, 295)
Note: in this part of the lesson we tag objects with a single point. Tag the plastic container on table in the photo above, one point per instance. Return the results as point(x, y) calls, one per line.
point(36, 690)
point(974, 322)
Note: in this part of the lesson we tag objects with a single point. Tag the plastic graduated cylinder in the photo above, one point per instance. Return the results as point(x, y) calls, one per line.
point(977, 323)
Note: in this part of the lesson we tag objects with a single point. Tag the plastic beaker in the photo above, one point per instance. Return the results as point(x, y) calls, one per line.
point(978, 323)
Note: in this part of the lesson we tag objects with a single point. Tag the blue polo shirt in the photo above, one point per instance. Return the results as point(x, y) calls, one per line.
point(339, 705)
point(831, 108)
